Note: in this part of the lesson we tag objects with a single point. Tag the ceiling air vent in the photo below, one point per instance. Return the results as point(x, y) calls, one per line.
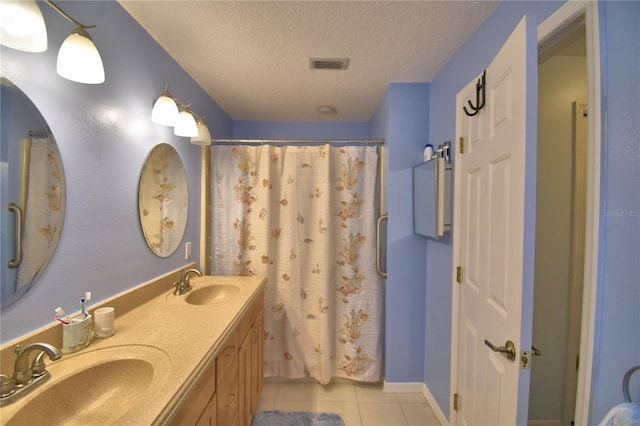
point(329, 63)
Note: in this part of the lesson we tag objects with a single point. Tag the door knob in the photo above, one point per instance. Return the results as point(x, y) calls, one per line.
point(509, 349)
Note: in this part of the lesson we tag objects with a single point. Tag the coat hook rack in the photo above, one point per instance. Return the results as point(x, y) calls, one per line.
point(480, 97)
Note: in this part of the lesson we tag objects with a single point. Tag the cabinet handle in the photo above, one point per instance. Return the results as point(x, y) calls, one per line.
point(231, 352)
point(256, 334)
point(233, 400)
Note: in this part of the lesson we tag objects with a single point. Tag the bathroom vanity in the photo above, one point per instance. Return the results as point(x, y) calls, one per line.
point(229, 390)
point(195, 358)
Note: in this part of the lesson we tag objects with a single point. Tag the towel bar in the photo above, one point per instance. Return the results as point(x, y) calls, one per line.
point(625, 383)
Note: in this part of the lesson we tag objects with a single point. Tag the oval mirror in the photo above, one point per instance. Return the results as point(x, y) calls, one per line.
point(33, 193)
point(163, 199)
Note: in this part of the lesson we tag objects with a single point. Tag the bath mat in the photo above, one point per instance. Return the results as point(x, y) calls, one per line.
point(296, 418)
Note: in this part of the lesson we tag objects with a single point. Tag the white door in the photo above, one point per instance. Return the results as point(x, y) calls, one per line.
point(489, 240)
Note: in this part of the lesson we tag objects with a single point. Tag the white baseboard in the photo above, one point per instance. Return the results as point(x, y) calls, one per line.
point(402, 387)
point(434, 405)
point(421, 388)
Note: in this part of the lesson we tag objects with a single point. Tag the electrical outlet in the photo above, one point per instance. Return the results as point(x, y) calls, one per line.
point(187, 251)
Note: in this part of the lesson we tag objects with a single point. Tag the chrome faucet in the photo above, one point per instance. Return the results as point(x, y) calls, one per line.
point(183, 285)
point(22, 373)
point(25, 378)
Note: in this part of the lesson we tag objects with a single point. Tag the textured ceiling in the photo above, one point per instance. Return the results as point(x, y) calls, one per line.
point(252, 57)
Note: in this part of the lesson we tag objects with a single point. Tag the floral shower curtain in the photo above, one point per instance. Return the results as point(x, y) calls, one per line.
point(305, 217)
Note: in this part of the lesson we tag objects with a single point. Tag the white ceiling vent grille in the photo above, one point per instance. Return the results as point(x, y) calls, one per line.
point(329, 63)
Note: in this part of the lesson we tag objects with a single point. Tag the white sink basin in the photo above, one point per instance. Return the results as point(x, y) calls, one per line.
point(211, 294)
point(204, 291)
point(94, 387)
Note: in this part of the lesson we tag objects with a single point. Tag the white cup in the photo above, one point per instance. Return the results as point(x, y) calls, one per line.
point(103, 322)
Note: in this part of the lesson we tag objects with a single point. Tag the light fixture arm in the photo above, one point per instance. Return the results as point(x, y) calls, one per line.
point(66, 15)
point(187, 107)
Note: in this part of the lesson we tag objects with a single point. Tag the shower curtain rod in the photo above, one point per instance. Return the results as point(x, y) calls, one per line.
point(372, 142)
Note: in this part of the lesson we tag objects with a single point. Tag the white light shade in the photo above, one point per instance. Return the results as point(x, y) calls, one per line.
point(185, 125)
point(22, 26)
point(165, 110)
point(204, 137)
point(79, 60)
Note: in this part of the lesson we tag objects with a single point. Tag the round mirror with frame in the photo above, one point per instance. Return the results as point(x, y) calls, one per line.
point(33, 193)
point(163, 200)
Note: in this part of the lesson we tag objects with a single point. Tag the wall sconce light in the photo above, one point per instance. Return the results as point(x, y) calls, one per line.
point(165, 111)
point(185, 123)
point(204, 137)
point(23, 28)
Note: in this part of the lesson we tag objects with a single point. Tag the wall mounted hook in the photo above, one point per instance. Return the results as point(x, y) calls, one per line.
point(480, 97)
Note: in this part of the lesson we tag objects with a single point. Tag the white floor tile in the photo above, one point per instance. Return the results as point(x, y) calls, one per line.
point(297, 391)
point(265, 404)
point(349, 411)
point(336, 392)
point(420, 415)
point(284, 405)
point(374, 393)
point(358, 404)
point(381, 414)
point(411, 398)
point(269, 391)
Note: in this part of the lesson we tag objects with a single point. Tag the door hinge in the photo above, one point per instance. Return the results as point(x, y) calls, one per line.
point(456, 401)
point(461, 145)
point(458, 274)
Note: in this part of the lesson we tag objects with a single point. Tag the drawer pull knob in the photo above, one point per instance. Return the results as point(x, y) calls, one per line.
point(233, 400)
point(230, 351)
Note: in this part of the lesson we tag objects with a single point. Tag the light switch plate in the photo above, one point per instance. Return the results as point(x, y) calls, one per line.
point(187, 251)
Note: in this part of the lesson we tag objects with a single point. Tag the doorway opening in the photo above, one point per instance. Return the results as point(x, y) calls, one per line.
point(560, 224)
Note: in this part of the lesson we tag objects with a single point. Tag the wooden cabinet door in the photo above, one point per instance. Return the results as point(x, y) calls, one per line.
point(208, 417)
point(257, 360)
point(244, 382)
point(196, 403)
point(227, 382)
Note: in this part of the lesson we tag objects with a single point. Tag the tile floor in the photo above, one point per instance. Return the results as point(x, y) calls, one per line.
point(357, 404)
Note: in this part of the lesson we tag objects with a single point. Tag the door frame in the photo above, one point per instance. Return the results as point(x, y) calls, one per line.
point(547, 28)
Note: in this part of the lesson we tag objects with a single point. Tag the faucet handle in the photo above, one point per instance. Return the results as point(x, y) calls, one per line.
point(8, 385)
point(38, 365)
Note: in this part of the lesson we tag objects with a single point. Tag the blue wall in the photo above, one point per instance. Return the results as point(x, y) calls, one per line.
point(104, 133)
point(618, 310)
point(402, 119)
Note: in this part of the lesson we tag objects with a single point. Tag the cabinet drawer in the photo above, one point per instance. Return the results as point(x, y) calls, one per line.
point(227, 395)
point(227, 355)
point(250, 317)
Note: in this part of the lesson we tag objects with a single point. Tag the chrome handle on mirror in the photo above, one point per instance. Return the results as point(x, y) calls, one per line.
point(14, 263)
